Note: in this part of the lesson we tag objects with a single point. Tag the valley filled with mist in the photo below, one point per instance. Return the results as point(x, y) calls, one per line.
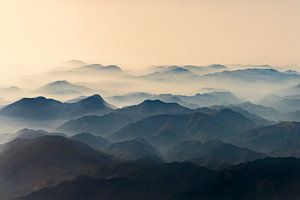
point(92, 131)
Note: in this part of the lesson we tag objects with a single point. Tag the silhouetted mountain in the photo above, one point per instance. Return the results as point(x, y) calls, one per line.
point(136, 149)
point(158, 182)
point(34, 108)
point(26, 133)
point(168, 129)
point(41, 108)
point(96, 142)
point(92, 105)
point(212, 154)
point(63, 88)
point(269, 178)
point(44, 161)
point(104, 125)
point(281, 139)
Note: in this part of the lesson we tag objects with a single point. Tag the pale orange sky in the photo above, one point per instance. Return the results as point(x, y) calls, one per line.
point(37, 34)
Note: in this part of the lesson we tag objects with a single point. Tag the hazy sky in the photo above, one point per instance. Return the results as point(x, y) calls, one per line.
point(38, 34)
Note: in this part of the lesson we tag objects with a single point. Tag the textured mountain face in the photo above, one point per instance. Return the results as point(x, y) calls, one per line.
point(169, 129)
point(270, 178)
point(136, 149)
point(96, 142)
point(112, 122)
point(283, 104)
point(41, 108)
point(212, 154)
point(263, 111)
point(282, 139)
point(158, 182)
point(47, 160)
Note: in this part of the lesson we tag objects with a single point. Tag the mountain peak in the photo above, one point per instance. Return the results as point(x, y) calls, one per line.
point(38, 99)
point(94, 102)
point(155, 101)
point(93, 97)
point(98, 67)
point(59, 82)
point(179, 70)
point(217, 66)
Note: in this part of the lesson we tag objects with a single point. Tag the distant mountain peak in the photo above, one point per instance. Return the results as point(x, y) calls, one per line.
point(63, 87)
point(217, 66)
point(98, 67)
point(60, 82)
point(179, 70)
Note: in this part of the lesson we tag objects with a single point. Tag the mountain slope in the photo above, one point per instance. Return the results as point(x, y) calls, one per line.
point(282, 139)
point(166, 129)
point(158, 182)
point(211, 154)
point(104, 125)
point(269, 178)
point(259, 110)
point(265, 179)
point(136, 149)
point(96, 142)
point(47, 160)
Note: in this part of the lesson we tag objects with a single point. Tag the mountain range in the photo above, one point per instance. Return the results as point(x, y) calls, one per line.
point(195, 101)
point(166, 129)
point(109, 123)
point(41, 108)
point(185, 132)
